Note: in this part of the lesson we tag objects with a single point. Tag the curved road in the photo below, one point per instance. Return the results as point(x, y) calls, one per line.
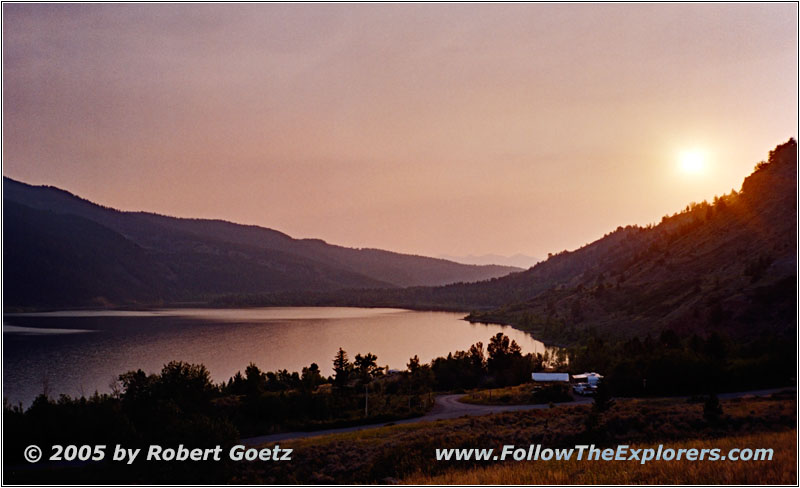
point(448, 407)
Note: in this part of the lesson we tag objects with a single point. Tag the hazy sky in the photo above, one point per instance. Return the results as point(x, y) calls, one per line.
point(429, 129)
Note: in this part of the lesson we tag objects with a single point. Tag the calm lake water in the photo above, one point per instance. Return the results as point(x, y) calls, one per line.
point(80, 352)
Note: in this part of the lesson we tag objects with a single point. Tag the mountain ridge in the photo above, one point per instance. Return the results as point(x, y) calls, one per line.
point(518, 260)
point(729, 265)
point(186, 255)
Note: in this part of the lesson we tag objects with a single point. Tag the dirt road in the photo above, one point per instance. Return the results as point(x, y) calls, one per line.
point(448, 407)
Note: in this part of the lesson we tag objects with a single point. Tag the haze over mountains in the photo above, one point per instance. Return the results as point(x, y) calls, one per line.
point(725, 265)
point(64, 251)
point(517, 260)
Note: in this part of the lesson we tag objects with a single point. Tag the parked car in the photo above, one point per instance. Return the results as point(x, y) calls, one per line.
point(586, 384)
point(584, 389)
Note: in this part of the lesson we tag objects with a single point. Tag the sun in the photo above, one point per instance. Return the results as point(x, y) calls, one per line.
point(692, 162)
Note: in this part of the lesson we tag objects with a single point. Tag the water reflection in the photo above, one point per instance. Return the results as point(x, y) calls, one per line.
point(225, 340)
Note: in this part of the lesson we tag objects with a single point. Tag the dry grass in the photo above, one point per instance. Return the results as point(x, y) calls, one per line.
point(509, 395)
point(396, 452)
point(782, 469)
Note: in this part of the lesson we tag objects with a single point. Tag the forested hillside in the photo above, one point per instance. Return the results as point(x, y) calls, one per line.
point(727, 265)
point(63, 251)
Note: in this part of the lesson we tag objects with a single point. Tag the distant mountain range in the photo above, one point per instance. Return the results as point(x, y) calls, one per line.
point(60, 250)
point(517, 260)
point(729, 265)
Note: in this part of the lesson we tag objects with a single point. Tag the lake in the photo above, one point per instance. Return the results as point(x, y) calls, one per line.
point(80, 352)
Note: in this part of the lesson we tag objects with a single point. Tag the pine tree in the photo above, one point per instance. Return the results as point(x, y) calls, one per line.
point(341, 368)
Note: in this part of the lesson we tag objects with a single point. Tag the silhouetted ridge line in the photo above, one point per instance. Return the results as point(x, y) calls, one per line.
point(64, 251)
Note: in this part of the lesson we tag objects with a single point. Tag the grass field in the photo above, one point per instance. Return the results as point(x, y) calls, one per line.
point(406, 453)
point(518, 395)
point(500, 396)
point(780, 470)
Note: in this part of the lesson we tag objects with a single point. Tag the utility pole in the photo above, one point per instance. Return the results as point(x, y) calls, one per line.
point(366, 400)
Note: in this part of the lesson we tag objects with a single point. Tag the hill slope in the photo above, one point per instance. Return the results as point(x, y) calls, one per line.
point(727, 265)
point(61, 250)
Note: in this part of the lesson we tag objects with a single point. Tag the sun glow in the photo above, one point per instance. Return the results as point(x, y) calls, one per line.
point(692, 162)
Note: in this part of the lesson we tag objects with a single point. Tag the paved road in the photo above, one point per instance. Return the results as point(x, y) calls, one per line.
point(445, 407)
point(448, 407)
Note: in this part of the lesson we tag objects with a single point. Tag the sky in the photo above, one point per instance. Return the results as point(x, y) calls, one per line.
point(421, 128)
